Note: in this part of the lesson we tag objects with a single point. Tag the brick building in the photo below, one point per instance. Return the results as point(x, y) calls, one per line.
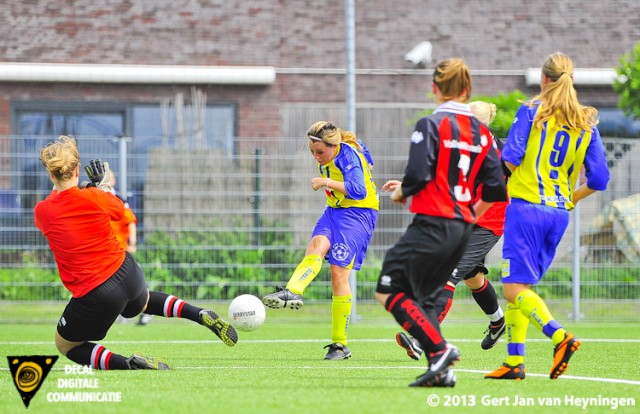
point(271, 66)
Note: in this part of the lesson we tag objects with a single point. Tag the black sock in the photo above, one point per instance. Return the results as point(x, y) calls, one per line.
point(414, 319)
point(97, 356)
point(170, 306)
point(486, 298)
point(444, 302)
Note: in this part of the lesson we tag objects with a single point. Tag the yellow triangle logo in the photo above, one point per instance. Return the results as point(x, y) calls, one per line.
point(28, 373)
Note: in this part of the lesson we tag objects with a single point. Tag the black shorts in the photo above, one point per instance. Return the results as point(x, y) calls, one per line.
point(480, 244)
point(88, 318)
point(420, 263)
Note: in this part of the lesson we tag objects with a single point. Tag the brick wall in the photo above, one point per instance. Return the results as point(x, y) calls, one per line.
point(496, 34)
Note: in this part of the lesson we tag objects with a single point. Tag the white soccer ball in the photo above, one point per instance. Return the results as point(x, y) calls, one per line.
point(246, 313)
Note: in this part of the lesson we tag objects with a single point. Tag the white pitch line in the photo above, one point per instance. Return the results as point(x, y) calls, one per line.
point(401, 367)
point(288, 341)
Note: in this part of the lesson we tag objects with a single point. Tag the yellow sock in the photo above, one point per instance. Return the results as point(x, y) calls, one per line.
point(306, 271)
point(340, 313)
point(517, 325)
point(532, 306)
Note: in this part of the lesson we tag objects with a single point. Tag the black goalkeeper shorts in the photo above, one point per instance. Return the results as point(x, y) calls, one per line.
point(89, 317)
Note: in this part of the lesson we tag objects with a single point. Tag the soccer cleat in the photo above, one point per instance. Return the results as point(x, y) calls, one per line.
point(447, 379)
point(411, 345)
point(507, 371)
point(221, 328)
point(562, 353)
point(139, 361)
point(439, 364)
point(337, 351)
point(144, 319)
point(493, 332)
point(283, 298)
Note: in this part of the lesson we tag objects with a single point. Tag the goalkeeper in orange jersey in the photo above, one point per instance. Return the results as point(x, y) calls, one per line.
point(104, 280)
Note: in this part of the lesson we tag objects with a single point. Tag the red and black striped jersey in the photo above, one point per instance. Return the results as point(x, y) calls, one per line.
point(451, 154)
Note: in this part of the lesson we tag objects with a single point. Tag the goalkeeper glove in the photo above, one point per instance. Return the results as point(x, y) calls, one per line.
point(99, 174)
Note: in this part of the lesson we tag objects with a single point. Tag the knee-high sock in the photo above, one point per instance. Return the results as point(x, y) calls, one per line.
point(444, 302)
point(97, 356)
point(170, 306)
point(487, 299)
point(517, 325)
point(533, 307)
point(340, 314)
point(306, 271)
point(421, 324)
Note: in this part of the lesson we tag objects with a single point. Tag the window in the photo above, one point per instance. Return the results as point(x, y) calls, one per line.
point(96, 125)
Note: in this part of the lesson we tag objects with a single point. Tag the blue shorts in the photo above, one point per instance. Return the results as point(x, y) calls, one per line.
point(349, 231)
point(532, 233)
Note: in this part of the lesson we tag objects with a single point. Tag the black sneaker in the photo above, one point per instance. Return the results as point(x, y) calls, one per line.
point(439, 364)
point(493, 332)
point(337, 351)
point(283, 298)
point(139, 361)
point(222, 329)
point(411, 345)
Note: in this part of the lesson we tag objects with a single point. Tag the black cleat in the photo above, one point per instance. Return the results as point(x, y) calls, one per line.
point(439, 364)
point(447, 379)
point(411, 345)
point(221, 328)
point(493, 332)
point(139, 361)
point(337, 351)
point(283, 298)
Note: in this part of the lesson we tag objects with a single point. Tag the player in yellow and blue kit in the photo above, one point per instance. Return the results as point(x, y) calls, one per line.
point(551, 139)
point(344, 230)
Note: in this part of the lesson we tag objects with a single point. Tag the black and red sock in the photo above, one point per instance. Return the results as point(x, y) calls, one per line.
point(170, 306)
point(444, 301)
point(486, 298)
point(97, 356)
point(414, 319)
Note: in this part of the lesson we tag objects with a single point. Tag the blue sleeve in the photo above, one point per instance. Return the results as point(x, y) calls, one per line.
point(595, 163)
point(351, 169)
point(365, 151)
point(514, 148)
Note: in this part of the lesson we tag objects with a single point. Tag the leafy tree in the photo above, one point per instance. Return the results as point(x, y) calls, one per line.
point(627, 84)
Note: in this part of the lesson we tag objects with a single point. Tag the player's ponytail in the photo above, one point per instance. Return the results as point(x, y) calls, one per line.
point(558, 97)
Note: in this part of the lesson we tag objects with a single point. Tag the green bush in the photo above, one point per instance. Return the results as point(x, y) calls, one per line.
point(206, 264)
point(507, 105)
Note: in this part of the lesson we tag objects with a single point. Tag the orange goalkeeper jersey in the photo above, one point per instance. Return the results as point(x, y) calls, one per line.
point(77, 224)
point(121, 227)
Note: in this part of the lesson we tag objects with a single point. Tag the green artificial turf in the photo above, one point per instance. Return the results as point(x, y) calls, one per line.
point(280, 369)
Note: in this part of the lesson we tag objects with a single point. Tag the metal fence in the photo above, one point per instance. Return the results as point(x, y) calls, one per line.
point(215, 223)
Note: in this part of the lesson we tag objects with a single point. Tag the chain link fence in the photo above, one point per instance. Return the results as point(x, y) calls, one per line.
point(214, 223)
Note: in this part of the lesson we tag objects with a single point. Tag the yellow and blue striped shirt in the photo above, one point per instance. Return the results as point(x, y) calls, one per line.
point(352, 167)
point(549, 160)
